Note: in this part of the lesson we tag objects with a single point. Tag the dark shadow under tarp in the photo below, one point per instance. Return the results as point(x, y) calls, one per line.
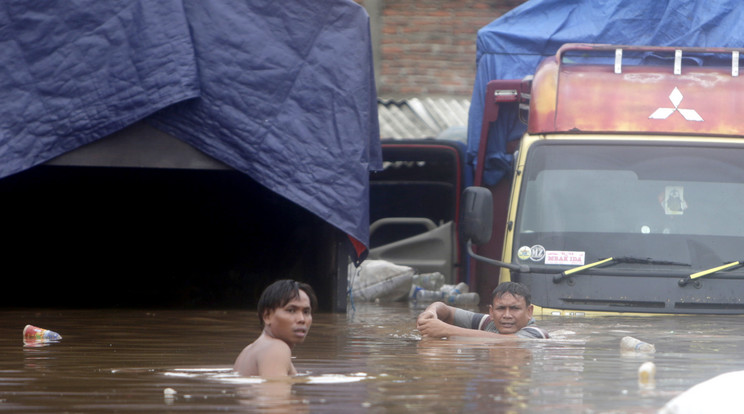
point(92, 237)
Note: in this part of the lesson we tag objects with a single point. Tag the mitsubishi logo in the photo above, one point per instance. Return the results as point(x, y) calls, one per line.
point(676, 98)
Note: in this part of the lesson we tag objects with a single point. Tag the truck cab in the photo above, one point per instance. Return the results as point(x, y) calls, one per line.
point(627, 194)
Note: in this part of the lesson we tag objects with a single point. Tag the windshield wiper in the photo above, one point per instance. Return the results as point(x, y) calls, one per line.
point(692, 277)
point(610, 261)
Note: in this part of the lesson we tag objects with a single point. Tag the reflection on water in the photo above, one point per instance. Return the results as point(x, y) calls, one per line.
point(371, 360)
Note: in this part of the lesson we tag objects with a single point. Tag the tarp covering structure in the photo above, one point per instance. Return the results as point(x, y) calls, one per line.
point(512, 46)
point(282, 91)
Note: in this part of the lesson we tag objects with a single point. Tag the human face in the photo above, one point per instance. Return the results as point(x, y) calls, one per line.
point(291, 322)
point(510, 313)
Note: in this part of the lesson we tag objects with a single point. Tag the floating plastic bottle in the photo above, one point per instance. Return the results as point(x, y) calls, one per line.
point(429, 281)
point(628, 343)
point(455, 289)
point(34, 333)
point(646, 373)
point(463, 299)
point(447, 289)
point(427, 296)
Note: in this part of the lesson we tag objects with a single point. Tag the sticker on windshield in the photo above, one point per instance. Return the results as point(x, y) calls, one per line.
point(674, 201)
point(559, 257)
point(537, 253)
point(524, 252)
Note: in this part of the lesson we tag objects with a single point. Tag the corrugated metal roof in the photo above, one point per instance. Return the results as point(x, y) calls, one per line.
point(422, 117)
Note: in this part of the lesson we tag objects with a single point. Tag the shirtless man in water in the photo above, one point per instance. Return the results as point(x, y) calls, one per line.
point(285, 314)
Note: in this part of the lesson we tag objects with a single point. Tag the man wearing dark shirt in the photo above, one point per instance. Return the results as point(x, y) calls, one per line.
point(509, 314)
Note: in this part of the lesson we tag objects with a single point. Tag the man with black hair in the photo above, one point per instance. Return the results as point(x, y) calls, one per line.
point(510, 313)
point(285, 314)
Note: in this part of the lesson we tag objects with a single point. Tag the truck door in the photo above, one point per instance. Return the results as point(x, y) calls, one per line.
point(414, 206)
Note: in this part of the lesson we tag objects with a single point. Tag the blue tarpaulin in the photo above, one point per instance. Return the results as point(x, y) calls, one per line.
point(512, 46)
point(282, 91)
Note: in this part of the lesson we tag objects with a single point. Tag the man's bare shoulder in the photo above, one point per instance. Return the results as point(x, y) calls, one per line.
point(266, 356)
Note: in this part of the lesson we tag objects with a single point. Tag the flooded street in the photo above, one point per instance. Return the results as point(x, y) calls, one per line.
point(369, 360)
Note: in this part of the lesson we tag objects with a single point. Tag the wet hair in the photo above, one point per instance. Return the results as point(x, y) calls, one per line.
point(281, 292)
point(515, 289)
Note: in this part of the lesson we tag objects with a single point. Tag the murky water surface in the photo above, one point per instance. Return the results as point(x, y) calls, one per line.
point(371, 360)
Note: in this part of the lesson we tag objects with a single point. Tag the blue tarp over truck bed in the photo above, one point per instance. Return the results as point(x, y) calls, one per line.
point(512, 46)
point(282, 91)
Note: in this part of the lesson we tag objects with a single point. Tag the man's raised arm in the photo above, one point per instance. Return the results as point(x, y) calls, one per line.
point(437, 322)
point(437, 310)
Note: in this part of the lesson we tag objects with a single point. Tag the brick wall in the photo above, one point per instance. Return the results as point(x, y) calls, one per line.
point(427, 47)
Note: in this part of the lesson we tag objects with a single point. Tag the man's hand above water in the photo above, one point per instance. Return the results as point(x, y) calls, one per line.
point(429, 325)
point(436, 320)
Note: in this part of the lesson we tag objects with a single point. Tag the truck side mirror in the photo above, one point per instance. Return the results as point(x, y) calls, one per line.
point(477, 214)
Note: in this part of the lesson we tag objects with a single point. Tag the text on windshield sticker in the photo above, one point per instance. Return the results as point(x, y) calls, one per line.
point(559, 257)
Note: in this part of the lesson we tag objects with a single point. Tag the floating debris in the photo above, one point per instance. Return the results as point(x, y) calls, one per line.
point(33, 335)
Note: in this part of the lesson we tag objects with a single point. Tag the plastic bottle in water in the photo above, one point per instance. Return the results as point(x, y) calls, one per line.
point(33, 333)
point(628, 343)
point(427, 296)
point(455, 289)
point(646, 373)
point(463, 299)
point(429, 281)
point(447, 289)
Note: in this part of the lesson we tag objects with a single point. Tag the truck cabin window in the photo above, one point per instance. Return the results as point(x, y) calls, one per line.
point(680, 203)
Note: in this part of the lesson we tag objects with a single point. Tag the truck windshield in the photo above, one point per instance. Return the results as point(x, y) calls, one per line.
point(582, 202)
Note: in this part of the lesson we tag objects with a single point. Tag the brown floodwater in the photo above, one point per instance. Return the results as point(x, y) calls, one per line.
point(370, 360)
